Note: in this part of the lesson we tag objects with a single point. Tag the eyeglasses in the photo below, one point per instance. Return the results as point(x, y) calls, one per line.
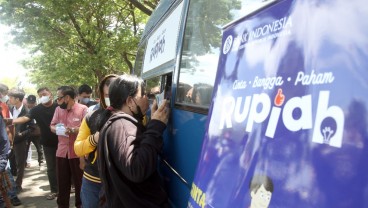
point(59, 98)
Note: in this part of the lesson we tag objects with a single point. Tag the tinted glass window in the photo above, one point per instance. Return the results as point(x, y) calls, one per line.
point(200, 52)
point(201, 46)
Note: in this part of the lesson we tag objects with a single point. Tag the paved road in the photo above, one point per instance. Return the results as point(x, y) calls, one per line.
point(36, 187)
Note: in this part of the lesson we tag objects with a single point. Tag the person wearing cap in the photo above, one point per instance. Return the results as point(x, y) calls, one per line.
point(34, 134)
point(31, 101)
point(20, 138)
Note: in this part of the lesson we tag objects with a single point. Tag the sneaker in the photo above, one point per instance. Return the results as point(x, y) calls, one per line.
point(51, 196)
point(28, 165)
point(15, 201)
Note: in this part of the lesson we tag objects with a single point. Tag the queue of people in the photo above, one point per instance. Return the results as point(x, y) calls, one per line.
point(104, 149)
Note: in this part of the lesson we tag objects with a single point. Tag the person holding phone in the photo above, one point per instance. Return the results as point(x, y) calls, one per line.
point(127, 150)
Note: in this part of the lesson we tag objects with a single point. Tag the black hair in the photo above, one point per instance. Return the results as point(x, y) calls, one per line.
point(17, 93)
point(107, 80)
point(119, 91)
point(67, 90)
point(84, 88)
point(42, 89)
point(204, 91)
point(258, 180)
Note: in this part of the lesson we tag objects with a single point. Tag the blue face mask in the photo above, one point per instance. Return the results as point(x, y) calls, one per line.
point(85, 100)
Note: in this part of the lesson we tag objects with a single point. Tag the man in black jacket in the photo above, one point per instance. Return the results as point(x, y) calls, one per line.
point(20, 140)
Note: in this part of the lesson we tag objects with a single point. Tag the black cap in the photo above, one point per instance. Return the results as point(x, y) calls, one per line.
point(31, 99)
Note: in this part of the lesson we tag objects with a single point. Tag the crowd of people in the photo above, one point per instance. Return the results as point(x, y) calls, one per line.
point(106, 151)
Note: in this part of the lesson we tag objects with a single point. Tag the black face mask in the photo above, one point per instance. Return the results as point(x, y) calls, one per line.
point(139, 115)
point(63, 105)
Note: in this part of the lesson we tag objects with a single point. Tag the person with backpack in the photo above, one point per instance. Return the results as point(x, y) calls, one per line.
point(128, 151)
point(85, 146)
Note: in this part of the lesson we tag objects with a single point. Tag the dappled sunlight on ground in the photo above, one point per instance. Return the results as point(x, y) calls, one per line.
point(36, 187)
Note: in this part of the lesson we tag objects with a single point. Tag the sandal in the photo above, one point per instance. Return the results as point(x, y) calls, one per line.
point(51, 196)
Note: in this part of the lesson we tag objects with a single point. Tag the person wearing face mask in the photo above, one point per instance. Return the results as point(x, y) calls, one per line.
point(5, 109)
point(86, 145)
point(127, 150)
point(4, 99)
point(65, 123)
point(84, 95)
point(4, 152)
point(20, 138)
point(43, 114)
point(34, 132)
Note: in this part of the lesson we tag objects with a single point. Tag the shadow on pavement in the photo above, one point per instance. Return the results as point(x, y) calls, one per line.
point(36, 186)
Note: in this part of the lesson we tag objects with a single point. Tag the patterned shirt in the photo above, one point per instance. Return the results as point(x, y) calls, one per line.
point(70, 118)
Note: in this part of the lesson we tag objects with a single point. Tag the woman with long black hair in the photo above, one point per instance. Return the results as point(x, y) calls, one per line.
point(127, 150)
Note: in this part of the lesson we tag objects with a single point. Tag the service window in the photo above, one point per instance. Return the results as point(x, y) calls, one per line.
point(159, 88)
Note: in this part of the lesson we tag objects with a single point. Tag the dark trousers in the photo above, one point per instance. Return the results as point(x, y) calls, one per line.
point(20, 151)
point(36, 143)
point(50, 156)
point(13, 163)
point(66, 169)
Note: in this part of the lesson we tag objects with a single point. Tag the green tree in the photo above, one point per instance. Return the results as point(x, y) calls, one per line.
point(76, 41)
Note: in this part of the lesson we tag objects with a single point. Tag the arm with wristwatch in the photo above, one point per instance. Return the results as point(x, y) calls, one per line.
point(60, 129)
point(71, 130)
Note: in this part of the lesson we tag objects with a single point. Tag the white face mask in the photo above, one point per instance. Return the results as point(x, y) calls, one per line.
point(107, 101)
point(44, 99)
point(4, 99)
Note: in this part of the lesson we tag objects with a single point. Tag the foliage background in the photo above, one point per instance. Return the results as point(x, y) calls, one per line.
point(72, 42)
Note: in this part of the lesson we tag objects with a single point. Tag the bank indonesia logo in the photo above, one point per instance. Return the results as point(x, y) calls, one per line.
point(227, 45)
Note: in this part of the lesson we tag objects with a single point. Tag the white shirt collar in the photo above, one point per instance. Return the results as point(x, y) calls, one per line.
point(16, 111)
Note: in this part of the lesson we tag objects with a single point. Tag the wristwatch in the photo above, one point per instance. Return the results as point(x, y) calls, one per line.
point(73, 130)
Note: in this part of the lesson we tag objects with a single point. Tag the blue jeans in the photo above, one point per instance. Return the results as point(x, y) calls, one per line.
point(12, 193)
point(90, 193)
